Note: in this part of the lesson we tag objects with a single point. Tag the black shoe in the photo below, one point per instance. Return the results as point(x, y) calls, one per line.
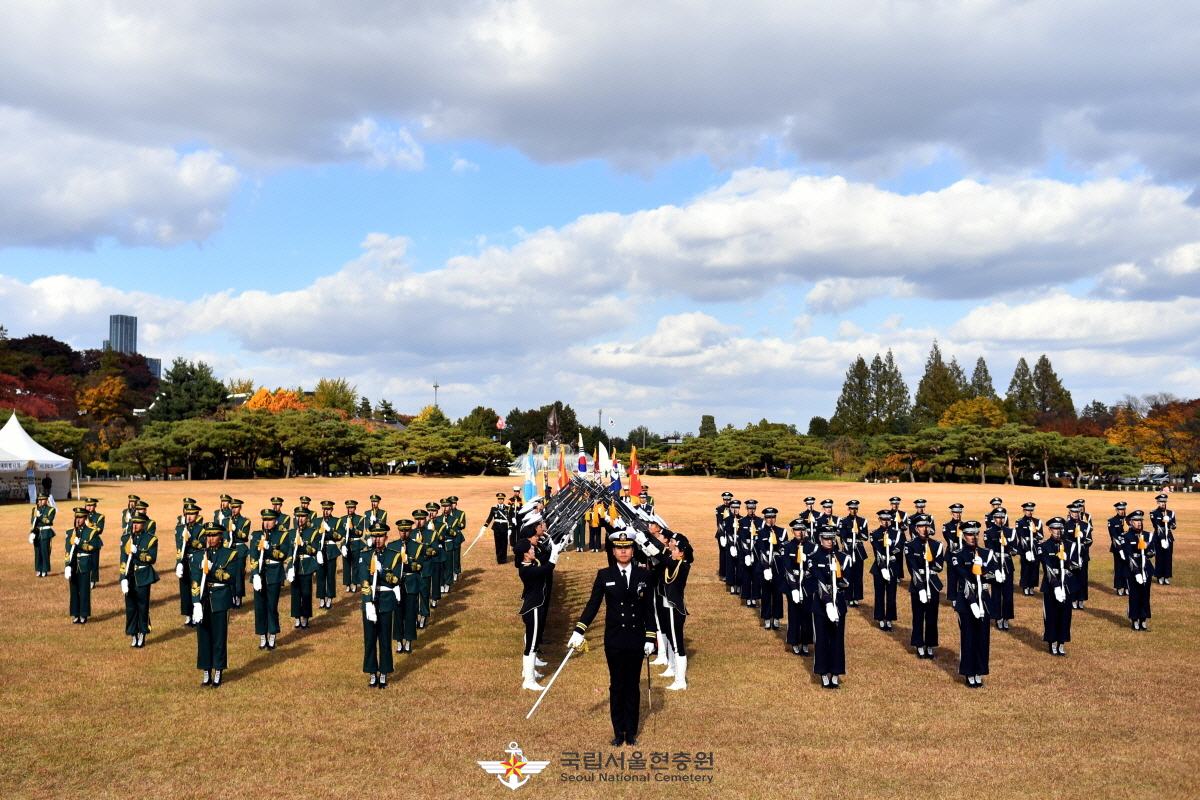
point(889, 627)
point(382, 681)
point(216, 683)
point(824, 681)
point(929, 654)
point(631, 741)
point(372, 681)
point(618, 740)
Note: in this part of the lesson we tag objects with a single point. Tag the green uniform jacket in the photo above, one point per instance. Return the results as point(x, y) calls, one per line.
point(458, 521)
point(328, 527)
point(86, 541)
point(143, 560)
point(239, 538)
point(351, 528)
point(425, 535)
point(371, 517)
point(187, 539)
point(441, 540)
point(221, 517)
point(278, 555)
point(218, 588)
point(392, 572)
point(305, 561)
point(41, 521)
point(96, 520)
point(414, 561)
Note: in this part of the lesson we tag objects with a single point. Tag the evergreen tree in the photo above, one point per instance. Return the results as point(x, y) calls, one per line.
point(853, 416)
point(891, 406)
point(981, 382)
point(1050, 398)
point(960, 378)
point(385, 412)
point(940, 387)
point(708, 427)
point(187, 390)
point(364, 409)
point(1020, 403)
point(818, 427)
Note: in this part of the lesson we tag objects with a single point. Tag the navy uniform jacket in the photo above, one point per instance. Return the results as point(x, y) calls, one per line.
point(821, 579)
point(809, 517)
point(766, 554)
point(950, 532)
point(1053, 572)
point(794, 561)
point(629, 612)
point(1029, 531)
point(497, 519)
point(914, 558)
point(1116, 532)
point(1004, 551)
point(1136, 560)
point(218, 587)
point(891, 557)
point(672, 580)
point(854, 527)
point(964, 579)
point(1163, 528)
point(1081, 530)
point(535, 580)
point(747, 530)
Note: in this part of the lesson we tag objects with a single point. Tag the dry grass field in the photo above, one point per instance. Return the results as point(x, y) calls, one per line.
point(86, 715)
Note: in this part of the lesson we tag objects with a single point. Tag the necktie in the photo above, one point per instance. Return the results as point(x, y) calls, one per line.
point(625, 577)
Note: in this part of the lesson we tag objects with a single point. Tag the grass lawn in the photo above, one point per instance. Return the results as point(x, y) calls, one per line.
point(86, 715)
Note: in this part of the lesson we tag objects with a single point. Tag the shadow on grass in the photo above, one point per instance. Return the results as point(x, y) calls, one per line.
point(269, 658)
point(1120, 620)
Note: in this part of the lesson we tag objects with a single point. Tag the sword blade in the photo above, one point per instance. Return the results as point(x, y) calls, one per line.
point(546, 689)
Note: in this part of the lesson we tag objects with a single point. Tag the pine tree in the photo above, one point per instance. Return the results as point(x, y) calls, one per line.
point(891, 406)
point(981, 382)
point(853, 415)
point(940, 388)
point(1020, 403)
point(708, 427)
point(1050, 397)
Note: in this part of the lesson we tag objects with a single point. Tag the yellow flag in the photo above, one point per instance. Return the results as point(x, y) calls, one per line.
point(976, 569)
point(837, 567)
point(1141, 542)
point(206, 563)
point(928, 552)
point(373, 567)
point(403, 556)
point(774, 541)
point(1062, 553)
point(887, 542)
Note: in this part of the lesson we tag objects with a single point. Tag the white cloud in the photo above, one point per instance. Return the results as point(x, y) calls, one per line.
point(462, 165)
point(382, 146)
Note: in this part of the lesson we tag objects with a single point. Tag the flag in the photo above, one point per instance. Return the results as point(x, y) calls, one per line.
point(563, 477)
point(635, 477)
point(582, 461)
point(605, 462)
point(615, 484)
point(529, 488)
point(581, 441)
point(596, 460)
point(611, 422)
point(500, 424)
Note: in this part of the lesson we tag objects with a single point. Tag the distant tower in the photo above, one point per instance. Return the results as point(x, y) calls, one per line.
point(122, 333)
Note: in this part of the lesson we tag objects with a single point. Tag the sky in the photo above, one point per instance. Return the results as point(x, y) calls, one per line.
point(650, 211)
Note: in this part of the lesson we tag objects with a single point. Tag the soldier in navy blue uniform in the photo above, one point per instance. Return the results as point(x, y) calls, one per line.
point(629, 632)
point(722, 511)
point(827, 517)
point(809, 517)
point(901, 528)
point(767, 546)
point(497, 520)
point(1116, 546)
point(1139, 558)
point(826, 589)
point(951, 532)
point(919, 509)
point(793, 564)
point(1060, 567)
point(925, 558)
point(1028, 531)
point(733, 565)
point(854, 535)
point(1079, 528)
point(747, 531)
point(671, 568)
point(1002, 543)
point(1162, 524)
point(888, 550)
point(535, 582)
point(973, 568)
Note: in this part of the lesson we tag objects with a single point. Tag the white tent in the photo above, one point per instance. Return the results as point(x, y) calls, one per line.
point(19, 454)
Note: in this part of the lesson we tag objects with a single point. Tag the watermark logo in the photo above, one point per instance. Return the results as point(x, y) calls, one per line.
point(514, 772)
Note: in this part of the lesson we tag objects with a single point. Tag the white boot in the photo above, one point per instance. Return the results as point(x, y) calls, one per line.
point(662, 652)
point(680, 673)
point(669, 672)
point(527, 674)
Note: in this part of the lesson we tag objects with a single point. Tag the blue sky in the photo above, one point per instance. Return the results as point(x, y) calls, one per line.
point(665, 210)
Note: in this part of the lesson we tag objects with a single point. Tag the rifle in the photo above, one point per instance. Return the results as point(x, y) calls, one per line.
point(372, 608)
point(128, 564)
point(203, 579)
point(71, 554)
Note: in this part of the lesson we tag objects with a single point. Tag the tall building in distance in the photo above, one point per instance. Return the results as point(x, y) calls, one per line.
point(122, 333)
point(155, 367)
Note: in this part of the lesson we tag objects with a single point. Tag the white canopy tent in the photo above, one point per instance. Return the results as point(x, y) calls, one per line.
point(19, 454)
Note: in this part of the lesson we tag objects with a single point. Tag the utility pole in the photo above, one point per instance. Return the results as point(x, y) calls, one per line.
point(435, 388)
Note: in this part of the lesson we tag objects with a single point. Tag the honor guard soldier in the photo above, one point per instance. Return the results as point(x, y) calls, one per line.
point(535, 590)
point(888, 553)
point(212, 597)
point(925, 558)
point(1116, 546)
point(380, 572)
point(151, 525)
point(722, 511)
point(1162, 523)
point(1001, 542)
point(645, 501)
point(412, 556)
point(184, 503)
point(139, 551)
point(223, 513)
point(1061, 564)
point(128, 512)
point(303, 568)
point(423, 534)
point(671, 569)
point(733, 566)
point(1028, 531)
point(827, 586)
point(629, 633)
point(351, 526)
point(304, 506)
point(497, 521)
point(974, 569)
point(96, 522)
point(809, 517)
point(796, 553)
point(1080, 530)
point(269, 559)
point(83, 542)
point(827, 517)
point(283, 521)
point(329, 547)
point(239, 539)
point(457, 520)
point(187, 541)
point(854, 535)
point(768, 546)
point(747, 532)
point(599, 520)
point(375, 513)
point(919, 504)
point(438, 561)
point(951, 532)
point(1139, 555)
point(41, 531)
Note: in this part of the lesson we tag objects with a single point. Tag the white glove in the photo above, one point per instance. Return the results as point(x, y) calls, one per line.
point(575, 641)
point(1029, 555)
point(1165, 544)
point(369, 610)
point(732, 550)
point(923, 595)
point(749, 560)
point(619, 524)
point(1060, 594)
point(124, 586)
point(767, 574)
point(1139, 577)
point(132, 548)
point(831, 612)
point(977, 610)
point(256, 582)
point(345, 551)
point(978, 561)
point(482, 528)
point(721, 540)
point(885, 573)
point(796, 596)
point(67, 572)
point(291, 574)
point(197, 613)
point(649, 649)
point(179, 570)
point(32, 538)
point(320, 557)
point(396, 591)
point(640, 537)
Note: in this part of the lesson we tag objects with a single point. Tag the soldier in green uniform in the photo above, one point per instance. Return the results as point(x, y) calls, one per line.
point(143, 508)
point(223, 512)
point(423, 534)
point(380, 572)
point(351, 527)
point(285, 520)
point(438, 562)
point(412, 556)
point(128, 512)
point(187, 501)
point(139, 551)
point(374, 513)
point(95, 521)
point(303, 568)
point(269, 558)
point(329, 544)
point(41, 531)
point(212, 597)
point(187, 541)
point(458, 523)
point(304, 506)
point(83, 543)
point(239, 539)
